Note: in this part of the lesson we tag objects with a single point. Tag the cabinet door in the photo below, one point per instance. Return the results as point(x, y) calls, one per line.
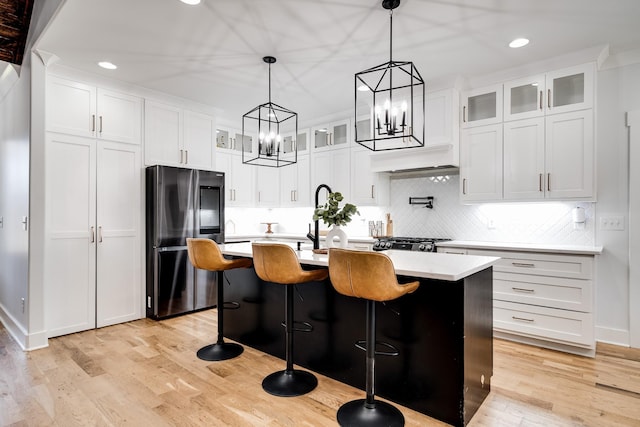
point(524, 98)
point(332, 168)
point(570, 89)
point(70, 234)
point(302, 193)
point(198, 140)
point(163, 135)
point(224, 164)
point(119, 117)
point(333, 134)
point(295, 183)
point(481, 163)
point(118, 237)
point(524, 159)
point(442, 124)
point(268, 186)
point(482, 106)
point(367, 187)
point(569, 158)
point(239, 179)
point(71, 107)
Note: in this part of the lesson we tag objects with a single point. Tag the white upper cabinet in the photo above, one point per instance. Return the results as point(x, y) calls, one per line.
point(295, 183)
point(80, 109)
point(301, 142)
point(332, 167)
point(481, 163)
point(481, 106)
point(367, 187)
point(524, 98)
point(524, 171)
point(332, 135)
point(569, 155)
point(177, 137)
point(198, 140)
point(561, 91)
point(234, 140)
point(163, 134)
point(239, 179)
point(268, 186)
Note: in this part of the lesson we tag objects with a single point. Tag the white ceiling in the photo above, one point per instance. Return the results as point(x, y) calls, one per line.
point(212, 53)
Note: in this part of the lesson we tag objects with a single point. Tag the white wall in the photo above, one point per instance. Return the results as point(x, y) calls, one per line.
point(618, 92)
point(15, 167)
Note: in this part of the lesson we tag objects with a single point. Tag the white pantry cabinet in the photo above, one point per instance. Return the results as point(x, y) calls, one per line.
point(177, 137)
point(92, 268)
point(239, 179)
point(84, 110)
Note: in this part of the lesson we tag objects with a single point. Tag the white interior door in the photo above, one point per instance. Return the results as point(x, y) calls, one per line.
point(70, 263)
point(118, 279)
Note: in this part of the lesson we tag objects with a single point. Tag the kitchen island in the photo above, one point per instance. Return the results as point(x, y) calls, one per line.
point(443, 331)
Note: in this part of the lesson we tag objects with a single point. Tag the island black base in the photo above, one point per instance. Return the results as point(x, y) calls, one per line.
point(443, 331)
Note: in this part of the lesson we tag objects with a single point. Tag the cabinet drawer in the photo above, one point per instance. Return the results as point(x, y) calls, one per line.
point(547, 323)
point(564, 293)
point(571, 266)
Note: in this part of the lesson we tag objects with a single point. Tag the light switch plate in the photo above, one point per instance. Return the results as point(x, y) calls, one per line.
point(614, 223)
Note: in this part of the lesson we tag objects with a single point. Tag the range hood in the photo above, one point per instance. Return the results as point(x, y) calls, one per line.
point(420, 159)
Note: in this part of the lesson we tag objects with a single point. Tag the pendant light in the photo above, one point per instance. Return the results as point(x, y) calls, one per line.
point(275, 130)
point(390, 102)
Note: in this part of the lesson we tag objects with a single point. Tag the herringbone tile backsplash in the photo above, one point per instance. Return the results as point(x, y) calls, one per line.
point(543, 222)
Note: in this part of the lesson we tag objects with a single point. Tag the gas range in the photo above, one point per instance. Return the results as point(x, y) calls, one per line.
point(422, 244)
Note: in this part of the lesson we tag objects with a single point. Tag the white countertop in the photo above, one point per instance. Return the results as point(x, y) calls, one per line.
point(428, 265)
point(285, 236)
point(527, 247)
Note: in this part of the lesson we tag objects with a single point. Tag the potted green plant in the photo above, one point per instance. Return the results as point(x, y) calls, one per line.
point(331, 214)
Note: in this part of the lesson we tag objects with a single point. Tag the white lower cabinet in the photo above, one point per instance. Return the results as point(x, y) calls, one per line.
point(544, 299)
point(92, 271)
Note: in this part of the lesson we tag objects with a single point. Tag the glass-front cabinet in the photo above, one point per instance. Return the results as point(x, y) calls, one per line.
point(333, 134)
point(291, 142)
point(561, 91)
point(481, 106)
point(233, 140)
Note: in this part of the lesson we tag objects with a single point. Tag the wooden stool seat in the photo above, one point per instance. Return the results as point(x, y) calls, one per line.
point(370, 276)
point(278, 263)
point(205, 254)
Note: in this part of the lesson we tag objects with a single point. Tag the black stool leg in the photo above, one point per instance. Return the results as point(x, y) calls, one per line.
point(370, 412)
point(290, 382)
point(220, 350)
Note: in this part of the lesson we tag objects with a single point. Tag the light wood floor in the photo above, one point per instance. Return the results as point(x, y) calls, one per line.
point(146, 373)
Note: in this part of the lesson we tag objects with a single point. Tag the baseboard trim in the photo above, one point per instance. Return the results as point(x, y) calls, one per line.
point(613, 336)
point(587, 352)
point(26, 341)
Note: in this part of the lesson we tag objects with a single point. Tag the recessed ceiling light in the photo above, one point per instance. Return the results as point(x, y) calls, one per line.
point(519, 43)
point(191, 2)
point(108, 65)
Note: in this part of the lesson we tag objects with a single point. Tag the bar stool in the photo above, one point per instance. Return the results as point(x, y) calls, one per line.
point(206, 255)
point(371, 276)
point(278, 263)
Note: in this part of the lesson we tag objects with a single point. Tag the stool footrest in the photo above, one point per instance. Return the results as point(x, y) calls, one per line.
point(230, 305)
point(308, 327)
point(393, 351)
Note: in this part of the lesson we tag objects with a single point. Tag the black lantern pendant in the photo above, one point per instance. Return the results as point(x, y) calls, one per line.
point(275, 129)
point(390, 98)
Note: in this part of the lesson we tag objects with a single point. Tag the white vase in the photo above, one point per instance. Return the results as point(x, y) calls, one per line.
point(337, 232)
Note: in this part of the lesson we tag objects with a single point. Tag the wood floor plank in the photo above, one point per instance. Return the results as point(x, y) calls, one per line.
point(146, 373)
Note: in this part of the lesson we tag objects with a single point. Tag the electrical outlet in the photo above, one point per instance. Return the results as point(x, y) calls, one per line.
point(615, 223)
point(491, 225)
point(22, 301)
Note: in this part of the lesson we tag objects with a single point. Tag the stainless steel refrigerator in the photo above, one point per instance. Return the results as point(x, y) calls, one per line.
point(180, 203)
